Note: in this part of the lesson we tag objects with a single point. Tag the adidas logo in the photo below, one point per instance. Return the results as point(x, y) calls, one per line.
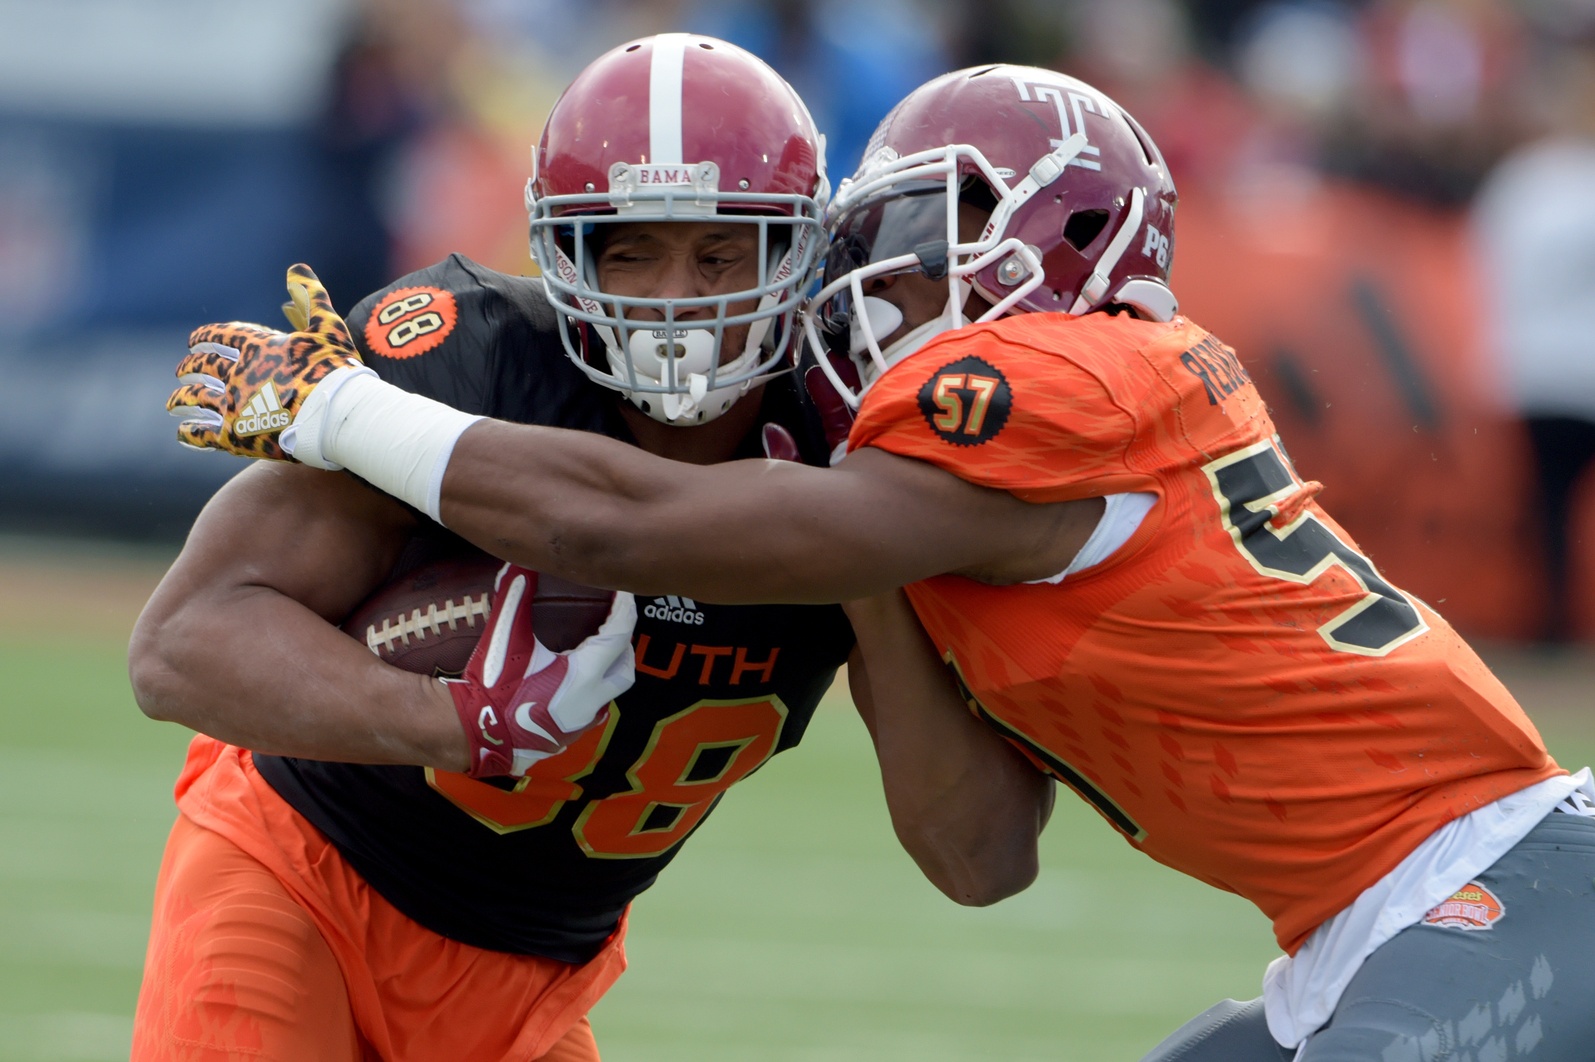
point(263, 414)
point(674, 609)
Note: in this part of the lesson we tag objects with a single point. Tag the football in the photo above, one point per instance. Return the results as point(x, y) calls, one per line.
point(429, 616)
point(564, 613)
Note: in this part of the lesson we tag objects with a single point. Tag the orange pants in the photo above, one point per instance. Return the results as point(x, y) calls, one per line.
point(301, 961)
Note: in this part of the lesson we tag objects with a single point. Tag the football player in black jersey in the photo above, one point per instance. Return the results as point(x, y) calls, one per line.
point(337, 885)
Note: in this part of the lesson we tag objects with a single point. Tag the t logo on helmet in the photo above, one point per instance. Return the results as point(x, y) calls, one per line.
point(1069, 104)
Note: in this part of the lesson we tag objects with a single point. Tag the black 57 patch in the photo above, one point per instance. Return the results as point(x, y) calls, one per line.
point(967, 402)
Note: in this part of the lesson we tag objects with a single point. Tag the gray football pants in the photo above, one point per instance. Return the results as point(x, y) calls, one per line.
point(1523, 989)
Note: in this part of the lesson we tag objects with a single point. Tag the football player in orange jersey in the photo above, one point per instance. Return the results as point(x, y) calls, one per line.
point(1107, 554)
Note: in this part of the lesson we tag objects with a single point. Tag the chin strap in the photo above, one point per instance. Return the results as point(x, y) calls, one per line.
point(1095, 288)
point(911, 341)
point(885, 318)
point(683, 407)
point(682, 360)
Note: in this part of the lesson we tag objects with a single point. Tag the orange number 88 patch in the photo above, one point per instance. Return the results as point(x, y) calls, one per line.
point(409, 322)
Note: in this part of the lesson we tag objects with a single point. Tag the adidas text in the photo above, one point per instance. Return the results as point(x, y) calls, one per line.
point(260, 423)
point(674, 610)
point(263, 414)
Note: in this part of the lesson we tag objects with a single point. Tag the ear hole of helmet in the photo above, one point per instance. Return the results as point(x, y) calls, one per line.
point(1083, 227)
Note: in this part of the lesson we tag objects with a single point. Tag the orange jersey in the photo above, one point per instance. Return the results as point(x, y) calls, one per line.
point(1236, 689)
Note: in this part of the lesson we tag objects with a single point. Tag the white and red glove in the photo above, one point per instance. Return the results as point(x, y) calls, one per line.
point(836, 416)
point(521, 702)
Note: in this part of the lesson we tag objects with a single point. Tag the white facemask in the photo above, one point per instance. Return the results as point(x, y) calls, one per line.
point(878, 318)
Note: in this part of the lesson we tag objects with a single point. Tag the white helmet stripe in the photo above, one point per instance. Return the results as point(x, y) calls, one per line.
point(664, 98)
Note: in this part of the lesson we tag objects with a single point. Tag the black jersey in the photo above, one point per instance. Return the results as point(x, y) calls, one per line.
point(546, 864)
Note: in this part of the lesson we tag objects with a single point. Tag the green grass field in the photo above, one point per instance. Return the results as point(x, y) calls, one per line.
point(791, 928)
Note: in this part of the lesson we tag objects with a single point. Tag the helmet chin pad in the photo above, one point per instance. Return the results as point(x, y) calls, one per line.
point(683, 361)
point(884, 318)
point(913, 339)
point(878, 318)
point(653, 349)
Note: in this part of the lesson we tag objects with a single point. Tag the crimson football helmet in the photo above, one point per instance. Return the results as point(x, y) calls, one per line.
point(1082, 212)
point(678, 127)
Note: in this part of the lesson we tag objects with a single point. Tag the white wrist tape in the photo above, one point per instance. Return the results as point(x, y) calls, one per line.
point(397, 441)
point(302, 438)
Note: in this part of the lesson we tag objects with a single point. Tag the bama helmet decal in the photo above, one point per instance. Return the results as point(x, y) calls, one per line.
point(966, 402)
point(408, 322)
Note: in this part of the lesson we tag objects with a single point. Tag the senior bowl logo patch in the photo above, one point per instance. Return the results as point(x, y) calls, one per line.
point(409, 322)
point(966, 402)
point(1472, 907)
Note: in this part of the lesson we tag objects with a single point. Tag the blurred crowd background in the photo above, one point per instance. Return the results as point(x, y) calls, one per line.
point(1387, 208)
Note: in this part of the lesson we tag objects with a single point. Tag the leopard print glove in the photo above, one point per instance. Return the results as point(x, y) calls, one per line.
point(243, 384)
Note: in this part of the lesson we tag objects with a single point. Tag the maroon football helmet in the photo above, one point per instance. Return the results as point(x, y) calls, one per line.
point(1082, 210)
point(678, 127)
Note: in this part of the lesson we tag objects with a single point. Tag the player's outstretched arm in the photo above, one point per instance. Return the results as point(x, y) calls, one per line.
point(965, 804)
point(238, 641)
point(597, 510)
point(600, 512)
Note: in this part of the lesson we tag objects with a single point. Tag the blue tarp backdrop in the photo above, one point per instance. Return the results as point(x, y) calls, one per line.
point(122, 239)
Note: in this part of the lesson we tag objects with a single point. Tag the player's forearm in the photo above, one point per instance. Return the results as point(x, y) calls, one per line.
point(971, 829)
point(607, 514)
point(966, 806)
point(217, 667)
point(537, 498)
